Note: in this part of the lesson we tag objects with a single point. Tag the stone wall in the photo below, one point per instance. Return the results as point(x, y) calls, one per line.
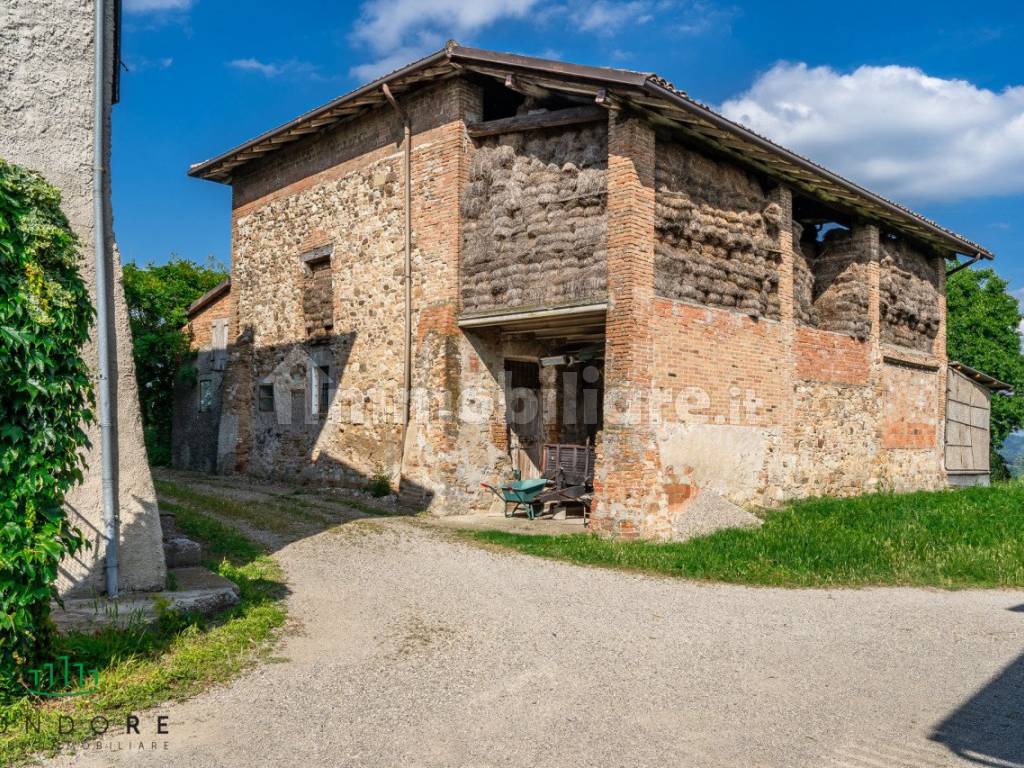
point(347, 311)
point(46, 124)
point(533, 218)
point(342, 193)
point(715, 234)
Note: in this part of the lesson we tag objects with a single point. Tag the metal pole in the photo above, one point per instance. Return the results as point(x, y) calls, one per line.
point(104, 305)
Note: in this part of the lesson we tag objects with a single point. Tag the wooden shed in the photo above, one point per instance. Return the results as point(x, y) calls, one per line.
point(968, 414)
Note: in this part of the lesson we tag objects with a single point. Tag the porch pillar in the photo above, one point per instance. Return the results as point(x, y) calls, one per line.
point(627, 491)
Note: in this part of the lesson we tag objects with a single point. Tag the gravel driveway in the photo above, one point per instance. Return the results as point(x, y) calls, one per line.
point(413, 648)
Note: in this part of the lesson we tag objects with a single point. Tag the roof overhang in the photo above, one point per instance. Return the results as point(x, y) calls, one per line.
point(980, 377)
point(642, 92)
point(209, 298)
point(584, 322)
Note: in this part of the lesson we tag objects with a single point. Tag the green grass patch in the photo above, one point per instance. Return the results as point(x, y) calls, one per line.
point(948, 539)
point(141, 666)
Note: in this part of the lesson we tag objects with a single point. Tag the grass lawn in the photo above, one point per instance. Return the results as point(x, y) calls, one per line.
point(948, 539)
point(140, 666)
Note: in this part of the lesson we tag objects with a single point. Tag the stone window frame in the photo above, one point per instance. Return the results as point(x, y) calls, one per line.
point(316, 257)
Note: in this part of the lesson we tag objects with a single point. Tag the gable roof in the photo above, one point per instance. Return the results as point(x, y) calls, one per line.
point(646, 92)
point(220, 289)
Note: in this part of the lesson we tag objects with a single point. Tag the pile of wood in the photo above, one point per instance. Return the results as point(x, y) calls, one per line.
point(909, 295)
point(716, 235)
point(534, 225)
point(841, 279)
point(803, 277)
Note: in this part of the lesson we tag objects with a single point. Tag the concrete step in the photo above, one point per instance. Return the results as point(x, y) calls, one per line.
point(196, 590)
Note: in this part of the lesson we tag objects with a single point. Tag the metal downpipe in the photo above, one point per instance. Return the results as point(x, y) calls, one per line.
point(104, 306)
point(407, 270)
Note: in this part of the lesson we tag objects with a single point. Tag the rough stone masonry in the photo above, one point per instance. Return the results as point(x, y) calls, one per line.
point(753, 330)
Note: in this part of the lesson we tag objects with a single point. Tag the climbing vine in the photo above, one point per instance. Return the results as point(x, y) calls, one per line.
point(45, 315)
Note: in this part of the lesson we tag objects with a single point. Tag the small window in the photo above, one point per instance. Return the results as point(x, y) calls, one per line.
point(266, 398)
point(205, 395)
point(325, 389)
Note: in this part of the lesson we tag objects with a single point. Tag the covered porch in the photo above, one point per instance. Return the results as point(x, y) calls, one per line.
point(549, 367)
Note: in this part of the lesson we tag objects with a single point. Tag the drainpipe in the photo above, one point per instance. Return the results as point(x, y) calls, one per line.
point(407, 272)
point(104, 305)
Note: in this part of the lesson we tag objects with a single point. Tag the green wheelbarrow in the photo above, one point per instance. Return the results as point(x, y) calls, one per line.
point(519, 494)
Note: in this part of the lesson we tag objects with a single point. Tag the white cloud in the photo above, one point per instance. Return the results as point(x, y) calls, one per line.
point(150, 6)
point(606, 17)
point(271, 69)
point(143, 63)
point(893, 129)
point(687, 17)
point(410, 28)
point(397, 58)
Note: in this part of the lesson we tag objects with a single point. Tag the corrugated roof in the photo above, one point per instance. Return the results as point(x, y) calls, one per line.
point(981, 377)
point(646, 92)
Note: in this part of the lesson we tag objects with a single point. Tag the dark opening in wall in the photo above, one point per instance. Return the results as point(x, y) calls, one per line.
point(500, 101)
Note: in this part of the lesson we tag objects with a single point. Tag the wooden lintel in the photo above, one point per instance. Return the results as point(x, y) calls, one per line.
point(558, 117)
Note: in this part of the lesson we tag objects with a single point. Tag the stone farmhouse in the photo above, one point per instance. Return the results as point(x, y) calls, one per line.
point(480, 253)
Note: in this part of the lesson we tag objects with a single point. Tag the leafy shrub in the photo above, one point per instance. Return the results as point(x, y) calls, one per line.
point(379, 484)
point(45, 316)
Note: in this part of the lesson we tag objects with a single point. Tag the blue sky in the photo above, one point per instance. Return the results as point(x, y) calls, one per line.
point(922, 101)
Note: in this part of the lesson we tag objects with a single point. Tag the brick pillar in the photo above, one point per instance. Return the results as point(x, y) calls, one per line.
point(942, 358)
point(627, 489)
point(429, 475)
point(868, 243)
point(867, 239)
point(782, 196)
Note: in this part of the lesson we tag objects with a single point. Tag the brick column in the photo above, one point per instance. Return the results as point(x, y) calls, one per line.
point(783, 197)
point(429, 475)
point(627, 490)
point(941, 356)
point(867, 242)
point(867, 239)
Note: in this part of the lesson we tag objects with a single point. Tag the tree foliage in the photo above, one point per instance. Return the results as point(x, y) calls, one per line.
point(983, 332)
point(45, 316)
point(158, 298)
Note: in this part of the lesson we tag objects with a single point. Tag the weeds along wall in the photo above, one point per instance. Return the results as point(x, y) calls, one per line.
point(715, 234)
point(909, 295)
point(534, 220)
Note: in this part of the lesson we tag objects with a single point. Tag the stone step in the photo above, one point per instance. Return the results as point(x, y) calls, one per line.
point(196, 590)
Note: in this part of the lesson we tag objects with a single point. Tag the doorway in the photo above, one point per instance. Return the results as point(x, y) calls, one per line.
point(524, 416)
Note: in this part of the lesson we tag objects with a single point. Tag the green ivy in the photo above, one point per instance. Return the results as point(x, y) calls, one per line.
point(45, 316)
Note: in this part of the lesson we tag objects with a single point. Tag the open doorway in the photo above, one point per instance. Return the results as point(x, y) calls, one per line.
point(524, 416)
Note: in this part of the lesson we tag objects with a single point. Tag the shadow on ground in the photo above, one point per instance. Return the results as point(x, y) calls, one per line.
point(988, 728)
point(269, 512)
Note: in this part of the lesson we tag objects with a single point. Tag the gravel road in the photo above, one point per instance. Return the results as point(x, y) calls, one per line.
point(413, 648)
